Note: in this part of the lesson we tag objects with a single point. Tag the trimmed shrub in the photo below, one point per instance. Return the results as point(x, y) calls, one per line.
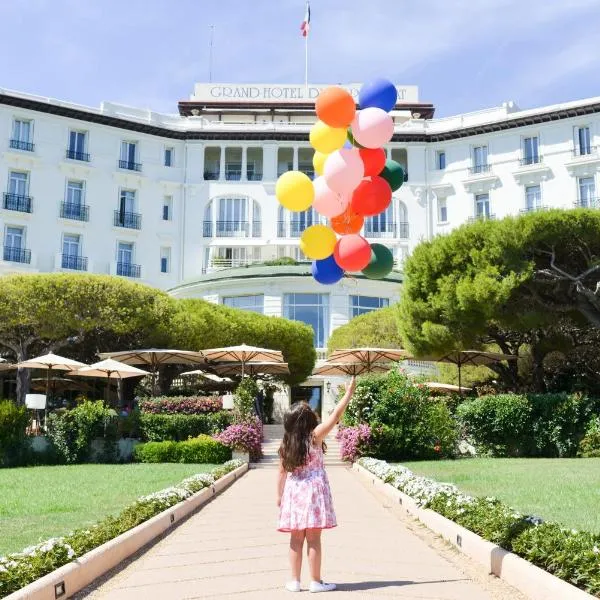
point(245, 436)
point(244, 398)
point(187, 405)
point(590, 444)
point(13, 439)
point(177, 428)
point(203, 449)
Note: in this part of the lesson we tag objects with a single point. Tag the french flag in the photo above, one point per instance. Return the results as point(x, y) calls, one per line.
point(305, 27)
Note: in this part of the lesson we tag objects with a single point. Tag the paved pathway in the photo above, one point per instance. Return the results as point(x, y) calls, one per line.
point(230, 549)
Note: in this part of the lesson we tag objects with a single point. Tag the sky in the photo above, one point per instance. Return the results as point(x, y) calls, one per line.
point(464, 55)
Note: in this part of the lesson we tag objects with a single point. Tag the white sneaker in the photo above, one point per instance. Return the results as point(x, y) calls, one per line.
point(292, 586)
point(319, 586)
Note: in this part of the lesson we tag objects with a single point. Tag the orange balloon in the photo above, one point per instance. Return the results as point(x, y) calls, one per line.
point(348, 222)
point(335, 107)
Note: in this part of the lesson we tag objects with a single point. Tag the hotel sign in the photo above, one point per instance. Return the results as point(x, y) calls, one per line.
point(261, 92)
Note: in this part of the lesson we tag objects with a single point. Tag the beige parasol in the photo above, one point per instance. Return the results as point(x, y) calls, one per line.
point(351, 368)
point(49, 362)
point(368, 356)
point(253, 368)
point(243, 354)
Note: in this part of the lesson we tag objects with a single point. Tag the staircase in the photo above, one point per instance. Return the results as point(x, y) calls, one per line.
point(272, 435)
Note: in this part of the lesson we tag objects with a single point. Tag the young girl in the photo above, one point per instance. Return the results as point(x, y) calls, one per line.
point(304, 497)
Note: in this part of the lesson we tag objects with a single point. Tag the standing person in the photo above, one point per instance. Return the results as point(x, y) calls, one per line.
point(303, 493)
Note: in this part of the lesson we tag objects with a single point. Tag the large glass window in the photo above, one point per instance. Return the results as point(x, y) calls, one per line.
point(305, 161)
point(125, 253)
point(364, 304)
point(77, 141)
point(587, 191)
point(233, 217)
point(254, 164)
point(18, 183)
point(233, 164)
point(212, 163)
point(230, 257)
point(14, 237)
point(531, 150)
point(254, 303)
point(74, 195)
point(480, 159)
point(129, 152)
point(285, 160)
point(312, 309)
point(21, 131)
point(533, 197)
point(482, 206)
point(299, 221)
point(381, 225)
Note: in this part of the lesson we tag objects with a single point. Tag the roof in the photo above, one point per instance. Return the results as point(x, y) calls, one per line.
point(255, 271)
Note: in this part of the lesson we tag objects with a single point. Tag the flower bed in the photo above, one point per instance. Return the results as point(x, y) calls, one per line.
point(19, 569)
point(245, 436)
point(203, 449)
point(187, 405)
point(567, 553)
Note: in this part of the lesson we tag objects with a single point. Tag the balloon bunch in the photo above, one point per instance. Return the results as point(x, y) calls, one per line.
point(355, 181)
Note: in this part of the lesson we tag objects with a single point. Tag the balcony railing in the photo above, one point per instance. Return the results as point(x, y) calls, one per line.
point(73, 155)
point(481, 218)
point(584, 150)
point(233, 173)
point(128, 219)
point(389, 230)
point(529, 209)
point(232, 228)
point(211, 174)
point(292, 229)
point(75, 263)
point(77, 212)
point(479, 169)
point(18, 255)
point(255, 176)
point(21, 145)
point(592, 202)
point(530, 160)
point(130, 166)
point(126, 269)
point(307, 170)
point(17, 202)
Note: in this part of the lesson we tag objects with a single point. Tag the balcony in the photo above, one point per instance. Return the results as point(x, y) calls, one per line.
point(481, 218)
point(126, 269)
point(480, 170)
point(530, 209)
point(211, 175)
point(585, 151)
point(17, 255)
point(232, 228)
point(255, 176)
point(17, 202)
point(389, 230)
point(20, 145)
point(76, 212)
point(130, 166)
point(128, 219)
point(75, 263)
point(233, 173)
point(591, 202)
point(530, 160)
point(292, 229)
point(83, 156)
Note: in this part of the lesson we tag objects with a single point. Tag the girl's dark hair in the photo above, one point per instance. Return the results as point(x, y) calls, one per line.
point(299, 424)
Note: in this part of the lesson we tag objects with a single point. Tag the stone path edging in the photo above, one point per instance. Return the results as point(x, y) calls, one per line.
point(76, 575)
point(532, 581)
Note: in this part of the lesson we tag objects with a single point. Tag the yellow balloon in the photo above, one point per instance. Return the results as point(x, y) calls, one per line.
point(295, 191)
point(327, 139)
point(318, 242)
point(319, 161)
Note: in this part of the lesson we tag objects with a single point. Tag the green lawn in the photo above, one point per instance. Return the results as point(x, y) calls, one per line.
point(562, 490)
point(41, 502)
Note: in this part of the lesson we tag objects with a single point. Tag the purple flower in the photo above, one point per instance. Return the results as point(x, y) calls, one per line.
point(245, 436)
point(354, 441)
point(187, 405)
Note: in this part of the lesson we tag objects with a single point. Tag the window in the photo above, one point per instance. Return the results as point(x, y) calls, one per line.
point(22, 130)
point(230, 257)
point(71, 253)
point(285, 160)
point(381, 225)
point(212, 164)
point(77, 146)
point(129, 156)
point(363, 304)
point(254, 164)
point(233, 164)
point(587, 191)
point(165, 260)
point(583, 142)
point(312, 309)
point(533, 197)
point(531, 150)
point(305, 161)
point(14, 245)
point(400, 156)
point(480, 159)
point(127, 201)
point(299, 221)
point(71, 245)
point(442, 210)
point(73, 207)
point(18, 183)
point(440, 160)
point(482, 206)
point(167, 211)
point(254, 303)
point(233, 217)
point(125, 266)
point(169, 156)
point(126, 216)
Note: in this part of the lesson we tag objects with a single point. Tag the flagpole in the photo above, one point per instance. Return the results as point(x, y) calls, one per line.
point(306, 65)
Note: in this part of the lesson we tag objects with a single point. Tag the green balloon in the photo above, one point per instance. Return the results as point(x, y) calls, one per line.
point(381, 263)
point(393, 173)
point(352, 140)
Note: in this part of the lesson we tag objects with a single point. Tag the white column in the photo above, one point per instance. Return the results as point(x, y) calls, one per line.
point(270, 162)
point(244, 176)
point(295, 158)
point(222, 164)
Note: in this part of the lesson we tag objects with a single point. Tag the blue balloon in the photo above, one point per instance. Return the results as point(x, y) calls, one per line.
point(348, 145)
point(379, 93)
point(327, 271)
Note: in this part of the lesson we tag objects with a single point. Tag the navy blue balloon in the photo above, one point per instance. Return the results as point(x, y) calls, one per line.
point(327, 271)
point(379, 93)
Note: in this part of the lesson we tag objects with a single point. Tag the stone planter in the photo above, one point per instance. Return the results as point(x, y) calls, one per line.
point(241, 455)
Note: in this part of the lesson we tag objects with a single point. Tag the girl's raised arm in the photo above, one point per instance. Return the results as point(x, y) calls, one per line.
point(322, 430)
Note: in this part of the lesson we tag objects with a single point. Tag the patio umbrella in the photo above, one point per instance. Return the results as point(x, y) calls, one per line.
point(60, 383)
point(445, 387)
point(51, 361)
point(253, 368)
point(351, 368)
point(200, 373)
point(110, 369)
point(155, 358)
point(242, 354)
point(461, 358)
point(368, 356)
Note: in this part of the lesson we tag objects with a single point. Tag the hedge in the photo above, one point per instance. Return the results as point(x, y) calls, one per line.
point(177, 428)
point(20, 569)
point(13, 441)
point(188, 405)
point(567, 553)
point(203, 449)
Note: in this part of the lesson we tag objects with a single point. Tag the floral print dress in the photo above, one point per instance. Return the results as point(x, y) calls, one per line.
point(306, 502)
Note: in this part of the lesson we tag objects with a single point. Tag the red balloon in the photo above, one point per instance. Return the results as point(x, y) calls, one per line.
point(371, 197)
point(373, 159)
point(352, 252)
point(347, 222)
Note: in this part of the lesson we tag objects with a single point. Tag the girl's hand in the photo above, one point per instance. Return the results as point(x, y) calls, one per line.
point(278, 500)
point(352, 385)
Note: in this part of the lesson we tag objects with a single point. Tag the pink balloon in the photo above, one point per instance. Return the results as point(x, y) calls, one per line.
point(327, 202)
point(344, 170)
point(372, 127)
